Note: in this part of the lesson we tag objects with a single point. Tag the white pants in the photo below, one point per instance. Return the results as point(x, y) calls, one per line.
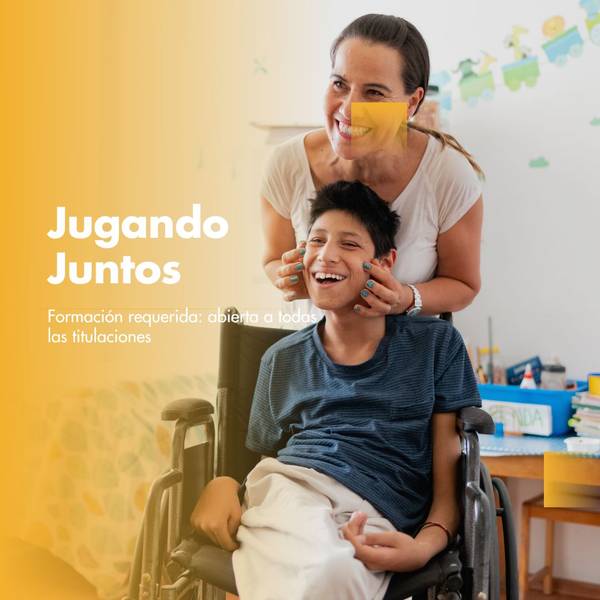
point(290, 544)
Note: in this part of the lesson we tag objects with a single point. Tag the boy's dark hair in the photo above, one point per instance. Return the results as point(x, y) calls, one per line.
point(362, 203)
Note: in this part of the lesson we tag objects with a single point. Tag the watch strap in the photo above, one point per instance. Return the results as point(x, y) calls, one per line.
point(417, 305)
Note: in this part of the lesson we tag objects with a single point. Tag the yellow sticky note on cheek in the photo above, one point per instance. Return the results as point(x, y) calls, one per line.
point(379, 125)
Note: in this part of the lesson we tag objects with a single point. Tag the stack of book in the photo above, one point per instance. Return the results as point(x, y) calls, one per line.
point(586, 420)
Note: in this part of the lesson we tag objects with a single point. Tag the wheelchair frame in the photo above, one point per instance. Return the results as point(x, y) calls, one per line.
point(165, 532)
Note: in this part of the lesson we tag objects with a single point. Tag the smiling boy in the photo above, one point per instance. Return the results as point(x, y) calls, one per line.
point(360, 415)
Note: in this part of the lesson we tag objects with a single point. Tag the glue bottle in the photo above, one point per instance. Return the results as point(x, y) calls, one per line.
point(554, 375)
point(528, 382)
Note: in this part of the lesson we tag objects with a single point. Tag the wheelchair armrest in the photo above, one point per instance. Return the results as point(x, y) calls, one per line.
point(206, 561)
point(182, 553)
point(476, 419)
point(443, 570)
point(188, 409)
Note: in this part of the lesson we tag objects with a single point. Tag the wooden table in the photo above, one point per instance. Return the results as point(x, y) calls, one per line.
point(580, 471)
point(532, 467)
point(524, 467)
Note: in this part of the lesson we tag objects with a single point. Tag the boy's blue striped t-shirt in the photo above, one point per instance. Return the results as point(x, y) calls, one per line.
point(368, 426)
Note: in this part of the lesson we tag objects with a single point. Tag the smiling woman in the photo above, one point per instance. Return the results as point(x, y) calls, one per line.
point(428, 179)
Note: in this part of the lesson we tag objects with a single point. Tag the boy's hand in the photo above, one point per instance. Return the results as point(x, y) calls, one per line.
point(386, 550)
point(218, 512)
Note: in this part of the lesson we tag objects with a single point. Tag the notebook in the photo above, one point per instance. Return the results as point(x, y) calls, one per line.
point(519, 445)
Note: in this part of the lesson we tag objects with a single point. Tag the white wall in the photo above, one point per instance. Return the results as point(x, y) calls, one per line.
point(540, 250)
point(540, 254)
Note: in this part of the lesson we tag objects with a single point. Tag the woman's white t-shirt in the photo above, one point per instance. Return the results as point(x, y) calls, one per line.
point(443, 188)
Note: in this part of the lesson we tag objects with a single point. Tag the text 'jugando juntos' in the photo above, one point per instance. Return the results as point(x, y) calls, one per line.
point(107, 232)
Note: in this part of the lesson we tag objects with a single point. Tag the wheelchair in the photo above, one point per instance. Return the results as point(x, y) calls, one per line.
point(172, 562)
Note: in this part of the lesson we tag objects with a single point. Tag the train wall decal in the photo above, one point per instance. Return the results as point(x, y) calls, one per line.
point(476, 80)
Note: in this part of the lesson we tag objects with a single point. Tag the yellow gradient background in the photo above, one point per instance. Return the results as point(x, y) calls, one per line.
point(113, 108)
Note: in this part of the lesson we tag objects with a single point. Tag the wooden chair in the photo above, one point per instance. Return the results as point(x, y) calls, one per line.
point(534, 508)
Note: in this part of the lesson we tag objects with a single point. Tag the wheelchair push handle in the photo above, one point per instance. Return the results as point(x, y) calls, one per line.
point(189, 409)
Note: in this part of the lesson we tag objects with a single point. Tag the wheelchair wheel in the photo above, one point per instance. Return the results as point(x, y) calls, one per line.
point(494, 572)
point(449, 596)
point(510, 540)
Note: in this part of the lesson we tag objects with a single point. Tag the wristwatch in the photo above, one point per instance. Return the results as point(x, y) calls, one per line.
point(417, 305)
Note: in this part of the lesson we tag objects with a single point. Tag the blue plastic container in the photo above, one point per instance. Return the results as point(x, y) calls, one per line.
point(558, 400)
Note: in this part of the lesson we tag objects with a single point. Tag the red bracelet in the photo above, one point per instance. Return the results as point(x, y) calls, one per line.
point(436, 524)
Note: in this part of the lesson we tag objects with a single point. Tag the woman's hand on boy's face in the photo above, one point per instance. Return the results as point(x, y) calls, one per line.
point(383, 293)
point(290, 275)
point(386, 550)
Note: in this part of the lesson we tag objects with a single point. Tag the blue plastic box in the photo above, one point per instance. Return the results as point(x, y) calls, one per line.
point(558, 400)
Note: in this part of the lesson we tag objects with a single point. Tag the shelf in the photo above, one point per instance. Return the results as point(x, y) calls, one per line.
point(272, 126)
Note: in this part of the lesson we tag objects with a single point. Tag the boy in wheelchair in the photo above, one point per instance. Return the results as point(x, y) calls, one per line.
point(359, 412)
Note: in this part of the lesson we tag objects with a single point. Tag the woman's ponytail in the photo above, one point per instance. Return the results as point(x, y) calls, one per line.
point(449, 140)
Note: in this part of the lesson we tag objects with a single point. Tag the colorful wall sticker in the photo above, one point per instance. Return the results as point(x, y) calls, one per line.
point(539, 163)
point(441, 79)
point(514, 41)
point(488, 60)
point(474, 85)
point(259, 67)
point(526, 67)
point(476, 80)
point(592, 19)
point(561, 44)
